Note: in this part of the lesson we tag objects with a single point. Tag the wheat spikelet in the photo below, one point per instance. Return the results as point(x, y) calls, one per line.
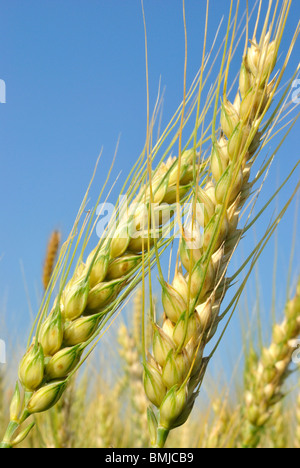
point(265, 381)
point(55, 428)
point(51, 255)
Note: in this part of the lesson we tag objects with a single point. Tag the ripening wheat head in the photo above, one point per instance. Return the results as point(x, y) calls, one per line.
point(175, 369)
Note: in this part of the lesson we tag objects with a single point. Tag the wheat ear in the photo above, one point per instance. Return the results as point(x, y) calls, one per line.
point(265, 380)
point(50, 259)
point(173, 374)
point(81, 305)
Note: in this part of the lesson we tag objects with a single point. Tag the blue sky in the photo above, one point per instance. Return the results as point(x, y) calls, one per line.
point(75, 81)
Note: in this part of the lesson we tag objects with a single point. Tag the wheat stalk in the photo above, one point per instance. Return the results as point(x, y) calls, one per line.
point(266, 378)
point(174, 373)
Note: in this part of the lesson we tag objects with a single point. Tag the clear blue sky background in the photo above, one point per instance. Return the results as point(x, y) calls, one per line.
point(75, 78)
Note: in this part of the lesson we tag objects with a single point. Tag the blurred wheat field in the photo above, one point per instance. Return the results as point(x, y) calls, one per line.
point(127, 347)
point(109, 410)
